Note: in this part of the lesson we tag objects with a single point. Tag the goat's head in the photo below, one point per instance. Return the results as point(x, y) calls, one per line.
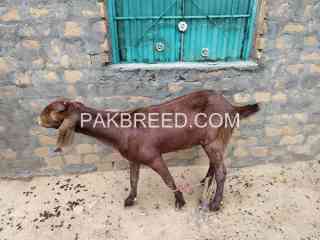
point(55, 113)
point(62, 114)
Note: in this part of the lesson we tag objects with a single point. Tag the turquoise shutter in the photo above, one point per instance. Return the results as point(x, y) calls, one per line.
point(147, 30)
point(217, 28)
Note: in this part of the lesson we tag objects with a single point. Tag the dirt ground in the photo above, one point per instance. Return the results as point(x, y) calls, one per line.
point(263, 202)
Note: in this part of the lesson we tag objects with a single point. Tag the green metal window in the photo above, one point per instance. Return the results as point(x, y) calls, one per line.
point(154, 31)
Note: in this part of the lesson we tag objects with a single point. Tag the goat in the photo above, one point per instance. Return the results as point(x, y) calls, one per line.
point(145, 145)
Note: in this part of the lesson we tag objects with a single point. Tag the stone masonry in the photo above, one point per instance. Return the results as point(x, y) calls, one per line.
point(59, 48)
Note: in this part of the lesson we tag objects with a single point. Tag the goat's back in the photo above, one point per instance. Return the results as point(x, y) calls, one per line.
point(205, 101)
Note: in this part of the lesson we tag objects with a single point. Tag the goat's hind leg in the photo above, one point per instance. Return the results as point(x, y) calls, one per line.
point(210, 174)
point(159, 166)
point(215, 154)
point(134, 178)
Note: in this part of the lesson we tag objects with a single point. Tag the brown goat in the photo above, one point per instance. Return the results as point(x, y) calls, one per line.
point(143, 144)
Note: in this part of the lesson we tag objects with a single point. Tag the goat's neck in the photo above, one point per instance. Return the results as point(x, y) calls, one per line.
point(109, 134)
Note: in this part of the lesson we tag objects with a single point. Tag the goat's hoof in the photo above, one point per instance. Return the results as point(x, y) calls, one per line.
point(180, 203)
point(203, 181)
point(129, 202)
point(215, 206)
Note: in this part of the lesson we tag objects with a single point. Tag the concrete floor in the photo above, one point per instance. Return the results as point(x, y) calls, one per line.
point(263, 202)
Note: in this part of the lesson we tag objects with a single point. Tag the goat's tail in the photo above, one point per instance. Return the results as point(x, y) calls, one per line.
point(248, 110)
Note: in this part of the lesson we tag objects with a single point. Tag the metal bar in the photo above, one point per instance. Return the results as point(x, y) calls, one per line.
point(113, 31)
point(181, 48)
point(235, 50)
point(182, 17)
point(251, 29)
point(130, 52)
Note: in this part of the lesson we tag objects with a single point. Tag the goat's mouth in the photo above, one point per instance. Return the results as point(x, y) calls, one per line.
point(47, 125)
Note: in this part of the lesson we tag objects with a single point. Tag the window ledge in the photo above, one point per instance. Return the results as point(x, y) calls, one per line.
point(239, 65)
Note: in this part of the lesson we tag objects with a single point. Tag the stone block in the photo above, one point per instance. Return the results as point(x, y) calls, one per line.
point(175, 87)
point(242, 98)
point(45, 140)
point(273, 132)
point(313, 139)
point(114, 157)
point(261, 97)
point(72, 76)
point(91, 158)
point(85, 148)
point(247, 141)
point(260, 43)
point(300, 149)
point(72, 29)
point(38, 63)
point(102, 9)
point(54, 162)
point(315, 68)
point(301, 117)
point(65, 61)
point(72, 91)
point(11, 15)
point(72, 159)
point(31, 44)
point(295, 68)
point(23, 80)
point(105, 46)
point(293, 28)
point(100, 27)
point(311, 41)
point(79, 168)
point(241, 152)
point(315, 56)
point(89, 13)
point(5, 67)
point(288, 131)
point(292, 140)
point(281, 118)
point(41, 152)
point(105, 166)
point(259, 151)
point(280, 97)
point(8, 154)
point(280, 43)
point(39, 12)
point(52, 76)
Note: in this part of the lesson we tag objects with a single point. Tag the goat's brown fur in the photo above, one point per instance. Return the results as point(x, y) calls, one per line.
point(146, 145)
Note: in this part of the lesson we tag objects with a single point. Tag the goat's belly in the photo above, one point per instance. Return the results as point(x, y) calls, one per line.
point(172, 148)
point(178, 140)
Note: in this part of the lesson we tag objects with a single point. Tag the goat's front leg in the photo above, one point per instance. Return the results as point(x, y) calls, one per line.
point(134, 178)
point(159, 166)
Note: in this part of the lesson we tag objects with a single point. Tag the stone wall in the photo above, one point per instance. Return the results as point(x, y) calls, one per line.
point(58, 48)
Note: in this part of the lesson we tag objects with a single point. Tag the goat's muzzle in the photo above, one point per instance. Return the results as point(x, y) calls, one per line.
point(39, 121)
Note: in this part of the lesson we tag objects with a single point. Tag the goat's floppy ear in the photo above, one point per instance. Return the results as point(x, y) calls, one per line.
point(59, 108)
point(66, 132)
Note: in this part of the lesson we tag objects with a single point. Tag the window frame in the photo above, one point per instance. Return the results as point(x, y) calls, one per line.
point(115, 49)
